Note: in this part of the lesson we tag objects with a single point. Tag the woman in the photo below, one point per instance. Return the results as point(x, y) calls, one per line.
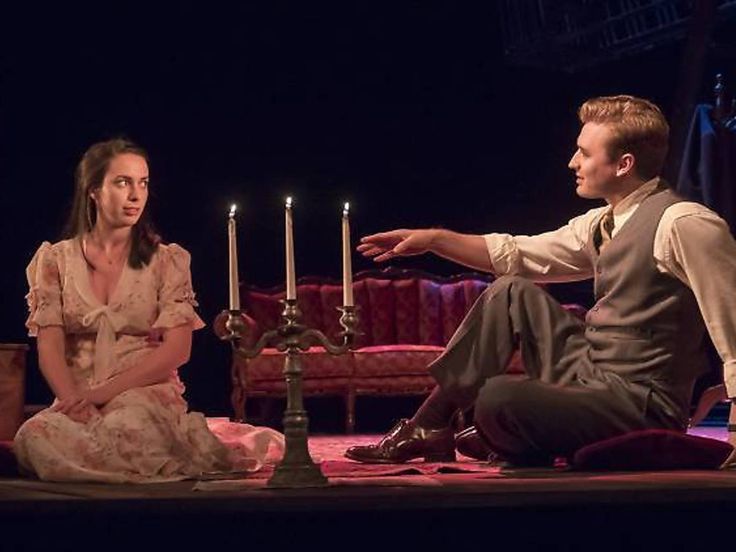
point(112, 309)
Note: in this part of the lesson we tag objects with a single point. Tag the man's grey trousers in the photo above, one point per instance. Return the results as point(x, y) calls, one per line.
point(563, 403)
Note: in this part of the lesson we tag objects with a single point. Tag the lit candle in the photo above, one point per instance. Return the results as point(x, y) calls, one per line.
point(347, 265)
point(290, 273)
point(233, 260)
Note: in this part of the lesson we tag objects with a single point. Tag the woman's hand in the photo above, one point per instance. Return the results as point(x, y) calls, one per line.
point(70, 402)
point(79, 400)
point(84, 413)
point(78, 406)
point(97, 396)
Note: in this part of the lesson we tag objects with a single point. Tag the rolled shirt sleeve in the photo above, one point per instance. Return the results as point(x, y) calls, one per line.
point(557, 256)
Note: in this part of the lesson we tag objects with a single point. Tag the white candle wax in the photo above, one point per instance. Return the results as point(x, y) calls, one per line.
point(234, 280)
point(290, 272)
point(347, 265)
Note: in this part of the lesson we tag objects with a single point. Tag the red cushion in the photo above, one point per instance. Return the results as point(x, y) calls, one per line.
point(310, 386)
point(394, 385)
point(394, 360)
point(316, 363)
point(653, 449)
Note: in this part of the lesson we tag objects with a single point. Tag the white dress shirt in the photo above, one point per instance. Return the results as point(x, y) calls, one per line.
point(692, 243)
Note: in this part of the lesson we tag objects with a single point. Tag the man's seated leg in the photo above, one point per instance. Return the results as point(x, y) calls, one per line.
point(531, 422)
point(479, 350)
point(512, 313)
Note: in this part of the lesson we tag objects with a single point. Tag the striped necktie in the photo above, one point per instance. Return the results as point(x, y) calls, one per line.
point(606, 227)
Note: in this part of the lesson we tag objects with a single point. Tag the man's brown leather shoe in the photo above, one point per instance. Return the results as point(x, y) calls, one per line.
point(405, 442)
point(470, 443)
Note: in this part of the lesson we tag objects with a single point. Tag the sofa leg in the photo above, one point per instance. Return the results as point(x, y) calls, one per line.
point(239, 391)
point(350, 412)
point(237, 401)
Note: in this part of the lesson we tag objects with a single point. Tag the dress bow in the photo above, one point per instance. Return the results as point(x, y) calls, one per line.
point(107, 323)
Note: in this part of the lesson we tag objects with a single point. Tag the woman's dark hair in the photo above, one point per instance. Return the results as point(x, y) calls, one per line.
point(89, 177)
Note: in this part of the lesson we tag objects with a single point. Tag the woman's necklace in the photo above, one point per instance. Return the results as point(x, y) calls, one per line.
point(110, 261)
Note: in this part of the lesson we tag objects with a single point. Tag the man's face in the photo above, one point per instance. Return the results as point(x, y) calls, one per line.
point(595, 172)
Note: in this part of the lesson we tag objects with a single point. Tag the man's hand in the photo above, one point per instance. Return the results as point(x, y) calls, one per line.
point(466, 249)
point(730, 462)
point(709, 398)
point(396, 243)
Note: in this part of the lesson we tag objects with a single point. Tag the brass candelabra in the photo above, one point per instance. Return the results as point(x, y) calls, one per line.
point(296, 469)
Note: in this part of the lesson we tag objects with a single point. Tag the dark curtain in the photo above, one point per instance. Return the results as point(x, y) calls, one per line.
point(708, 176)
point(708, 171)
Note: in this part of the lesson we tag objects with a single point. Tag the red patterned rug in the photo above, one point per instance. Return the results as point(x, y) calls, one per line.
point(329, 450)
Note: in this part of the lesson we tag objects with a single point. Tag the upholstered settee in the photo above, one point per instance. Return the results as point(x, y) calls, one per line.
point(406, 318)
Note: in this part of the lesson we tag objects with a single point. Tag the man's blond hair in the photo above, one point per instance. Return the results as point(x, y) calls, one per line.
point(638, 128)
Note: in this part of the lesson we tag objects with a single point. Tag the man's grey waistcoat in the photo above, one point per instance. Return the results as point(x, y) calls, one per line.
point(645, 326)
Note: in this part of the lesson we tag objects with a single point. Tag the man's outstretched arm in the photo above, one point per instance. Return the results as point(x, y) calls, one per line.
point(557, 256)
point(466, 249)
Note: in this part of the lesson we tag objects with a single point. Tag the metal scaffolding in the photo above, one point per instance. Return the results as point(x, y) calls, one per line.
point(572, 34)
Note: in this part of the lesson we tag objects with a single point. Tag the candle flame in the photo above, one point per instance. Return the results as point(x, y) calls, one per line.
point(233, 208)
point(346, 208)
point(288, 202)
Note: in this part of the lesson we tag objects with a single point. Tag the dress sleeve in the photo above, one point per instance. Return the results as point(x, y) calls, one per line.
point(44, 294)
point(175, 296)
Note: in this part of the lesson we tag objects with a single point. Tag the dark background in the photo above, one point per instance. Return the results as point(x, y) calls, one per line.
point(412, 113)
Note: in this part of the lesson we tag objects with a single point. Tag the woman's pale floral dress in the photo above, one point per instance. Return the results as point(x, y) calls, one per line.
point(143, 434)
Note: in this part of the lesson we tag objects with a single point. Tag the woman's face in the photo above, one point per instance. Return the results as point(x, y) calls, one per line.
point(124, 192)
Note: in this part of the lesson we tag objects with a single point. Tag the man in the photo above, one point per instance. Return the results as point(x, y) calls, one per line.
point(664, 272)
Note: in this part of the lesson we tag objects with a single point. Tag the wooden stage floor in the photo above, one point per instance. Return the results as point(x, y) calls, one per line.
point(413, 505)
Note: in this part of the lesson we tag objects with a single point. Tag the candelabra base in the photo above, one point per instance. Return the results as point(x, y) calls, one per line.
point(297, 477)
